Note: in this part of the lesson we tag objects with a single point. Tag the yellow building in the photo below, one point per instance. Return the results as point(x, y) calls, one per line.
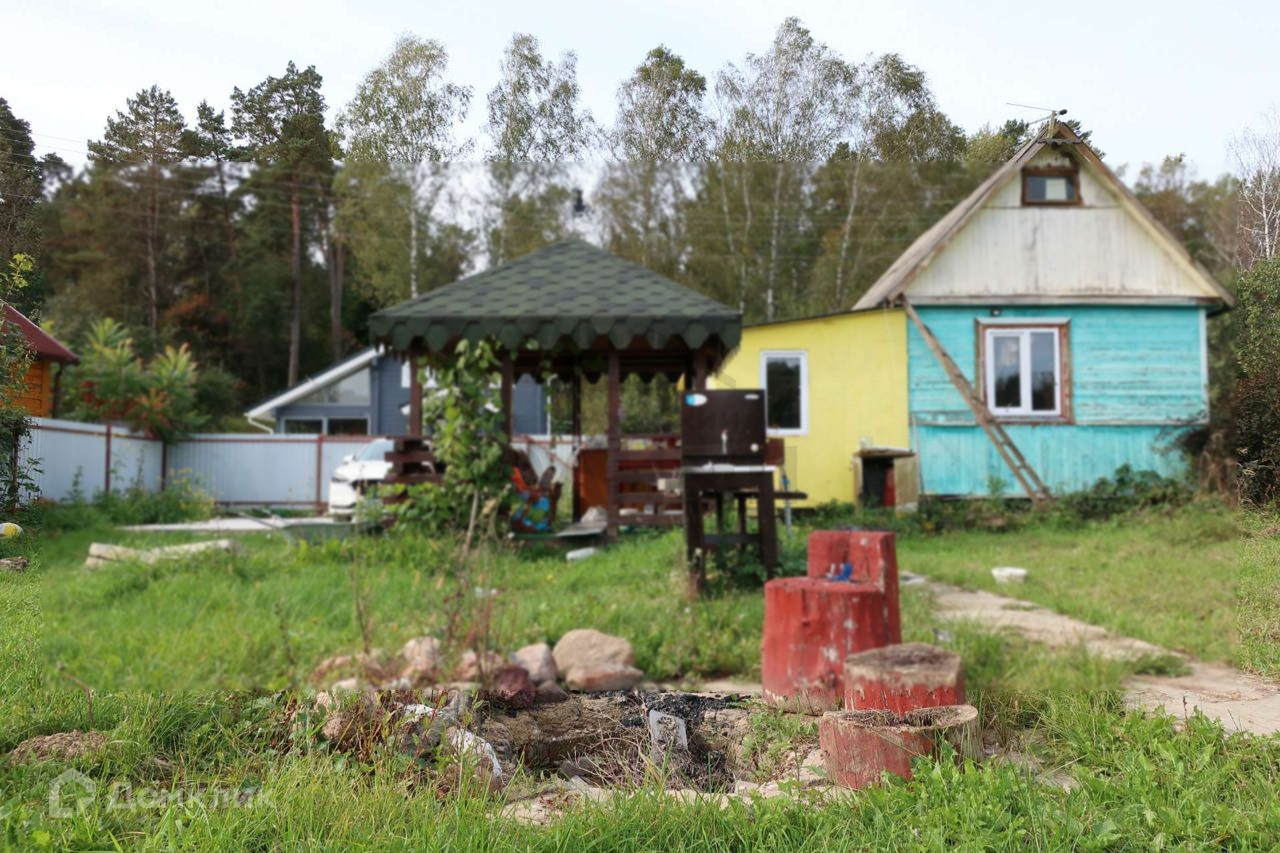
point(836, 386)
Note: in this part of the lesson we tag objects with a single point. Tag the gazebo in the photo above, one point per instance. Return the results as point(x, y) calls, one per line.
point(572, 310)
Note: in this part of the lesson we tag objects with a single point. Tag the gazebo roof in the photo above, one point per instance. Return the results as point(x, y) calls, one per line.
point(567, 294)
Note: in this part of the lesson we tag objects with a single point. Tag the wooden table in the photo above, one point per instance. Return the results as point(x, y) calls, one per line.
point(743, 483)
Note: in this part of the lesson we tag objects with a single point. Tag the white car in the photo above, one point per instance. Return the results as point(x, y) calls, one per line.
point(357, 474)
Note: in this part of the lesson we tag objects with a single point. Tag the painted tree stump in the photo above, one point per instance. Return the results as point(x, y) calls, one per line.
point(873, 558)
point(902, 678)
point(810, 626)
point(860, 746)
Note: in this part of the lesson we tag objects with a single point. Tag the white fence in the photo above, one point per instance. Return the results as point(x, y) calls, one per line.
point(236, 468)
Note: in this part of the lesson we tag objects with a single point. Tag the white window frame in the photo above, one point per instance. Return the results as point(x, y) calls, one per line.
point(765, 357)
point(1023, 332)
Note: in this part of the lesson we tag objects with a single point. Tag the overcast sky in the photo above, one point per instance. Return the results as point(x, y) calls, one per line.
point(1148, 78)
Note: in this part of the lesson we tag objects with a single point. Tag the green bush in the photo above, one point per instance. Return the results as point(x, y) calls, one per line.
point(182, 499)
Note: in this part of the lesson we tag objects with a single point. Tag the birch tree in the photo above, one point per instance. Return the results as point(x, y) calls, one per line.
point(1257, 164)
point(661, 126)
point(402, 126)
point(789, 107)
point(535, 130)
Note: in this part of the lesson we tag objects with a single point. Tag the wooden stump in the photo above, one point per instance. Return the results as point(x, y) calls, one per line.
point(810, 626)
point(902, 678)
point(861, 745)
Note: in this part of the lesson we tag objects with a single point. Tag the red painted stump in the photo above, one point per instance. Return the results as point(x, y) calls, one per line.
point(873, 557)
point(810, 627)
point(902, 678)
point(860, 746)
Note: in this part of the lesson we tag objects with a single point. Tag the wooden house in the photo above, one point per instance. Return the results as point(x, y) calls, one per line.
point(368, 394)
point(49, 358)
point(1076, 321)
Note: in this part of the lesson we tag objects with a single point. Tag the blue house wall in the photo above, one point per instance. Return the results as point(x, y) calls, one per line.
point(389, 395)
point(1138, 377)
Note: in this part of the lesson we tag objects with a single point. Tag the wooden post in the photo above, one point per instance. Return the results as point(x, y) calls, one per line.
point(615, 444)
point(508, 395)
point(575, 389)
point(415, 393)
point(699, 372)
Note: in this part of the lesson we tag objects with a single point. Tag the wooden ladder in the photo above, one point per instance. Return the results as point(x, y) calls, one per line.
point(1025, 474)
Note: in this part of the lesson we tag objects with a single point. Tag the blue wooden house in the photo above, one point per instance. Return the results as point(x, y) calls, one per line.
point(1076, 317)
point(368, 394)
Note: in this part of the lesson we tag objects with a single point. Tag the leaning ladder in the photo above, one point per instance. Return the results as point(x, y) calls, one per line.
point(1026, 476)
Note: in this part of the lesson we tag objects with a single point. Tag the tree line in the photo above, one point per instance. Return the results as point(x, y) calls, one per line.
point(262, 235)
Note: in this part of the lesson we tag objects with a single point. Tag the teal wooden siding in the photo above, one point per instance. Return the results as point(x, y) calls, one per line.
point(1137, 377)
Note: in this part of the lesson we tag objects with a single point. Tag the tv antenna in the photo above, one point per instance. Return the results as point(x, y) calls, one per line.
point(1052, 113)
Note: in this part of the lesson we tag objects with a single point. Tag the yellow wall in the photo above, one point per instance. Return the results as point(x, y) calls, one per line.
point(857, 390)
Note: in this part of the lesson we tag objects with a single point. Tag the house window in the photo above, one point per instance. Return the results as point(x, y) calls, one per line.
point(1051, 186)
point(304, 426)
point(347, 426)
point(785, 377)
point(353, 390)
point(1024, 368)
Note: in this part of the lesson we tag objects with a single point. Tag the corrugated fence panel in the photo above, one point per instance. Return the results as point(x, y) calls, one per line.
point(67, 456)
point(235, 468)
point(262, 469)
point(136, 461)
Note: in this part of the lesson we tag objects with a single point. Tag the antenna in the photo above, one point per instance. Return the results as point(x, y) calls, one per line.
point(1050, 110)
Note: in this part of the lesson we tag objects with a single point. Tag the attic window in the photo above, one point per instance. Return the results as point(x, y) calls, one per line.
point(1051, 186)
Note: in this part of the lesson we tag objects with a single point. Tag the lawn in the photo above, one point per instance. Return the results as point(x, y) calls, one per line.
point(183, 660)
point(1259, 611)
point(1167, 577)
point(262, 620)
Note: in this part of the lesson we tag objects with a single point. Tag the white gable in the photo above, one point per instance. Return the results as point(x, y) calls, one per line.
point(1103, 250)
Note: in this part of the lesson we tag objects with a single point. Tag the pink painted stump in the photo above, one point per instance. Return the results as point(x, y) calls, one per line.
point(861, 746)
point(902, 678)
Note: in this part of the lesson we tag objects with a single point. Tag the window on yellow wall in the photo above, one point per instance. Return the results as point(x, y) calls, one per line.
point(784, 375)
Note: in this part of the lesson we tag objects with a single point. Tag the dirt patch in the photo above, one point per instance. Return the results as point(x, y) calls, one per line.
point(61, 746)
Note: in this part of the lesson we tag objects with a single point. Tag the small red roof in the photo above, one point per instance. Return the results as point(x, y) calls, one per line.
point(45, 345)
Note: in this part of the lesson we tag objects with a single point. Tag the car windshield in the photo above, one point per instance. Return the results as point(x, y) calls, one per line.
point(376, 450)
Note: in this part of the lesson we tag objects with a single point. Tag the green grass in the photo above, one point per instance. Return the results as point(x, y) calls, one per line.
point(1165, 577)
point(1139, 784)
point(164, 645)
point(1259, 608)
point(262, 620)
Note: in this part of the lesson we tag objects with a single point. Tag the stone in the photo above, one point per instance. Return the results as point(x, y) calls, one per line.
point(512, 686)
point(14, 564)
point(585, 647)
point(346, 685)
point(597, 678)
point(61, 746)
point(473, 667)
point(330, 665)
point(549, 693)
point(421, 653)
point(538, 661)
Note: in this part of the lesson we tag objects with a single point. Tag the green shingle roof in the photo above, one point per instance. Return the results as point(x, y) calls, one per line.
point(566, 293)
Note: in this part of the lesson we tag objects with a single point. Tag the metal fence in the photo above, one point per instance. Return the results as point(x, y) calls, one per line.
point(69, 459)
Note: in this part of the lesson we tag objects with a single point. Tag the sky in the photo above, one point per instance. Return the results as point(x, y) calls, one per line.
point(1149, 79)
